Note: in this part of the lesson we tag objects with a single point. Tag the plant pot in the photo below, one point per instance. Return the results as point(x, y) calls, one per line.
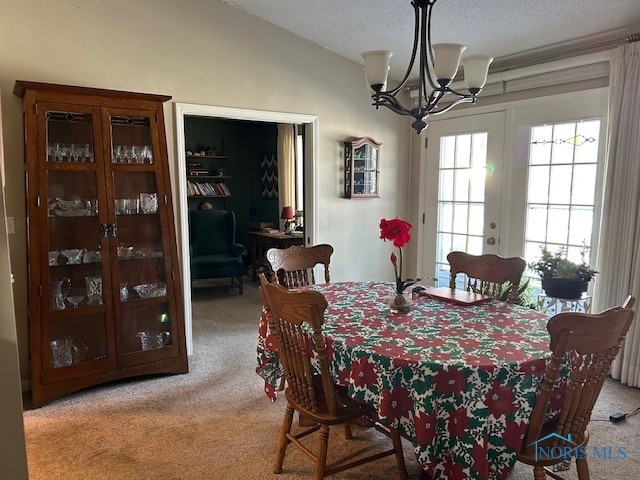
point(564, 287)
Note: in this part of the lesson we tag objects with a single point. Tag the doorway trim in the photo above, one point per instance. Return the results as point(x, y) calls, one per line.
point(311, 158)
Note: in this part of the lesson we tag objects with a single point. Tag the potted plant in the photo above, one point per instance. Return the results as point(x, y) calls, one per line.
point(561, 277)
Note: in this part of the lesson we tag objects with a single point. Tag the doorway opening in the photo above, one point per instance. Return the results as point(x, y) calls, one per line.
point(183, 111)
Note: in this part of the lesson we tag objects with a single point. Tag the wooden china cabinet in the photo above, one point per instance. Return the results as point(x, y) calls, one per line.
point(104, 295)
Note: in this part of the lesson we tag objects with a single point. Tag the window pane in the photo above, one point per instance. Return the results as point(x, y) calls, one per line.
point(446, 185)
point(447, 151)
point(581, 225)
point(459, 242)
point(587, 133)
point(479, 151)
point(476, 184)
point(476, 219)
point(463, 150)
point(537, 222)
point(541, 137)
point(461, 191)
point(558, 224)
point(538, 184)
point(584, 184)
point(475, 245)
point(460, 215)
point(445, 217)
point(560, 188)
point(562, 152)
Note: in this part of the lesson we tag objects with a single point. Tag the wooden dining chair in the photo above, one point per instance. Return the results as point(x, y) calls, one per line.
point(314, 395)
point(293, 266)
point(587, 344)
point(488, 274)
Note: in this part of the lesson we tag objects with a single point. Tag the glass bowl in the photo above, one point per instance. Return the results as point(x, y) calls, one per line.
point(148, 290)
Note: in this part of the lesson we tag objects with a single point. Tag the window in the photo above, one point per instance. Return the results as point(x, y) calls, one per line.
point(561, 190)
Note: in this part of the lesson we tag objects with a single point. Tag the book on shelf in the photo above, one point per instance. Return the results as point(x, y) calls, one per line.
point(225, 189)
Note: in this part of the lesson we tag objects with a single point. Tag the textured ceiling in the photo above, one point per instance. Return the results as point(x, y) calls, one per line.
point(499, 28)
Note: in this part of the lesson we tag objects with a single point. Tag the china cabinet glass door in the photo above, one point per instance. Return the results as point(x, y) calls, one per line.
point(76, 328)
point(142, 275)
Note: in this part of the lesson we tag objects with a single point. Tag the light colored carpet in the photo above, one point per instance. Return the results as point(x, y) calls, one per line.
point(216, 422)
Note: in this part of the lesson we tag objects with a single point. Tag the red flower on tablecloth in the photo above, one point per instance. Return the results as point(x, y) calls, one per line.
point(428, 342)
point(458, 422)
point(270, 343)
point(506, 337)
point(532, 367)
point(441, 356)
point(363, 373)
point(451, 469)
point(500, 399)
point(395, 404)
point(509, 352)
point(514, 434)
point(486, 363)
point(468, 343)
point(425, 427)
point(479, 455)
point(397, 231)
point(389, 349)
point(450, 381)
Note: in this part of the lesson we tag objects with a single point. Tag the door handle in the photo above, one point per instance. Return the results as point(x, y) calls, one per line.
point(491, 241)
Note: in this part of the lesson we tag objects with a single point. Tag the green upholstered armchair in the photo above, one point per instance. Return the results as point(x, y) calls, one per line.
point(214, 251)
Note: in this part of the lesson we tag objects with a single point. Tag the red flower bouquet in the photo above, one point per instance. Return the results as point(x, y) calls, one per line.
point(397, 231)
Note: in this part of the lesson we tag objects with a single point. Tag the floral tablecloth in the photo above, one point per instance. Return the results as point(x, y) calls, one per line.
point(459, 381)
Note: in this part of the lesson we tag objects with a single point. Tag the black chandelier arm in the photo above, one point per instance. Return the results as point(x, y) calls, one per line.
point(389, 101)
point(427, 48)
point(467, 99)
point(402, 83)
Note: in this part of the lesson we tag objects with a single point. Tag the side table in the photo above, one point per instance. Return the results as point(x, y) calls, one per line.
point(551, 306)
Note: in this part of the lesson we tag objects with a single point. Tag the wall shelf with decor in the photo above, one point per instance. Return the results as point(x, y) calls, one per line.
point(361, 168)
point(206, 179)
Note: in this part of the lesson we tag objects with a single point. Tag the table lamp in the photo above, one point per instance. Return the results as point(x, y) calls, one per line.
point(287, 215)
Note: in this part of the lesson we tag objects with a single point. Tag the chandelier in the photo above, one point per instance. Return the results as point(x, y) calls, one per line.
point(438, 67)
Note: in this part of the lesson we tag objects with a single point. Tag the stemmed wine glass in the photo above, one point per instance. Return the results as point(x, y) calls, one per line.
point(75, 300)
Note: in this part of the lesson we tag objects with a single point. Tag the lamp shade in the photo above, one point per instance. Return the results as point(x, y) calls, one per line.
point(476, 68)
point(376, 66)
point(446, 59)
point(287, 213)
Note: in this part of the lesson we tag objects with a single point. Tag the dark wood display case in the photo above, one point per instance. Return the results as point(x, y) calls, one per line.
point(105, 300)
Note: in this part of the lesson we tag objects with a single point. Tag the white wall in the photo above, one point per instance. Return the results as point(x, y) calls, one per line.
point(13, 457)
point(203, 52)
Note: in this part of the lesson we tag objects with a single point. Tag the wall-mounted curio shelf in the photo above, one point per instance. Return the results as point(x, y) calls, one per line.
point(361, 168)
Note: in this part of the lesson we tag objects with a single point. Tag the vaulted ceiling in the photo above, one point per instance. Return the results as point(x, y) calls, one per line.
point(512, 31)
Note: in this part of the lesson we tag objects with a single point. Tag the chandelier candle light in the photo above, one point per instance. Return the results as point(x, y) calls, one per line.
point(398, 231)
point(438, 67)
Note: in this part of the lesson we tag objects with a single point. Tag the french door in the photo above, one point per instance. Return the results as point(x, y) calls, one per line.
point(511, 181)
point(464, 171)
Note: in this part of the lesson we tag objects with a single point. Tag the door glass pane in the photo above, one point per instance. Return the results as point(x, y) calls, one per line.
point(77, 326)
point(69, 137)
point(146, 326)
point(461, 195)
point(141, 268)
point(131, 140)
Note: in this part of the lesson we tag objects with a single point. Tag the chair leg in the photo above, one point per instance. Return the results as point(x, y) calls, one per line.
point(397, 446)
point(539, 473)
point(582, 468)
point(321, 458)
point(284, 441)
point(348, 435)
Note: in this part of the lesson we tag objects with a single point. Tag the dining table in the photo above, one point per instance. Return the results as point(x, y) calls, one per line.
point(458, 381)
